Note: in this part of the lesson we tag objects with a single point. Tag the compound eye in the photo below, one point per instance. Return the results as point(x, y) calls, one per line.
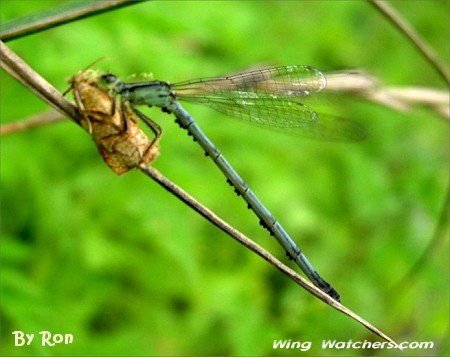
point(109, 78)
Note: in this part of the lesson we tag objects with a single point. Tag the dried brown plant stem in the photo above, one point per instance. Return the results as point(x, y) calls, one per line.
point(247, 242)
point(358, 83)
point(49, 116)
point(17, 68)
point(58, 15)
point(400, 23)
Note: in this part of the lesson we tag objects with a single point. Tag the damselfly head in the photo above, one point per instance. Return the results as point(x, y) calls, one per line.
point(112, 81)
point(109, 78)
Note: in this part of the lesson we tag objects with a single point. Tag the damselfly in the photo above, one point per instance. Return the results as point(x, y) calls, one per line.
point(270, 97)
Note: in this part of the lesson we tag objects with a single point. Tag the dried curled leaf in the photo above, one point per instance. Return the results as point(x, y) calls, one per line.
point(112, 125)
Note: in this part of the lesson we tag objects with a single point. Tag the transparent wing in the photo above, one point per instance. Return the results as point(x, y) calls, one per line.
point(270, 97)
point(289, 117)
point(332, 128)
point(277, 82)
point(268, 112)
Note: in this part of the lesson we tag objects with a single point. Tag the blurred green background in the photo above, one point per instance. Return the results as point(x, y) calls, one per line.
point(129, 270)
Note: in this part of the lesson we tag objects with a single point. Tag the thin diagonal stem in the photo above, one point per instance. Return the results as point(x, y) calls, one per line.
point(400, 23)
point(49, 116)
point(56, 16)
point(247, 242)
point(439, 236)
point(17, 68)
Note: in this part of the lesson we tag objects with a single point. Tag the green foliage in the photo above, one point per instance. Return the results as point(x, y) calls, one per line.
point(129, 270)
